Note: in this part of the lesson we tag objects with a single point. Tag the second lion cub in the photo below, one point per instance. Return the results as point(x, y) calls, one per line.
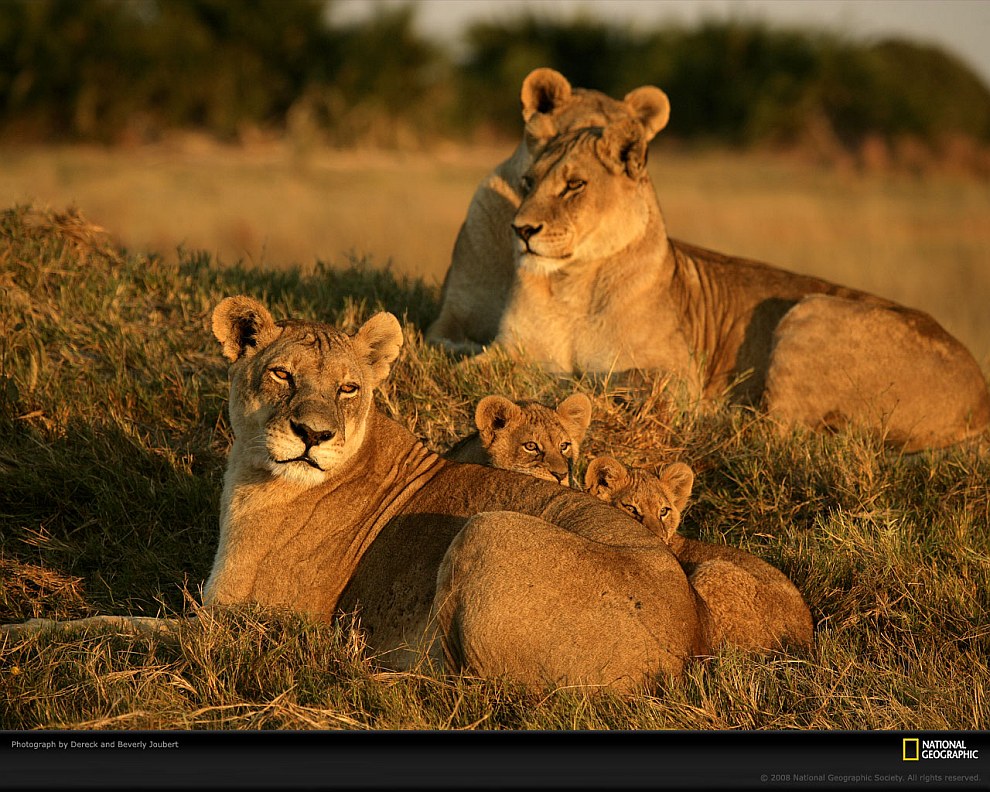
point(751, 603)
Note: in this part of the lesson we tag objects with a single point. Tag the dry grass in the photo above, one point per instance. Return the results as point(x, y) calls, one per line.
point(265, 204)
point(112, 443)
point(921, 240)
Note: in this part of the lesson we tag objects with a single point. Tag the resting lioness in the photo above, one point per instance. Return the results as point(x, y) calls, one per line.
point(482, 264)
point(600, 287)
point(750, 603)
point(329, 506)
point(527, 437)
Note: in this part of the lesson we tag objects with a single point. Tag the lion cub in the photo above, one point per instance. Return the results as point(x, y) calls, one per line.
point(527, 437)
point(751, 603)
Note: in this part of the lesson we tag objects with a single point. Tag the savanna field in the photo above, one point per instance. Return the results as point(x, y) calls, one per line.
point(114, 435)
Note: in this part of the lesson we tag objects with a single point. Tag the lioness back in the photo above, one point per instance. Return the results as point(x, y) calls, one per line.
point(750, 603)
point(527, 437)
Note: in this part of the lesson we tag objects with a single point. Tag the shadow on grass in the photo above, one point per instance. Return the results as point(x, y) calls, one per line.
point(97, 521)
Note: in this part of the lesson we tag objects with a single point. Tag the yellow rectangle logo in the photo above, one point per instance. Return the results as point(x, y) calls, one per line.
point(911, 749)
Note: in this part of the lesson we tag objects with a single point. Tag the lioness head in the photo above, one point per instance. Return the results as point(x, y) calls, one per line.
point(550, 107)
point(527, 437)
point(300, 392)
point(655, 502)
point(586, 196)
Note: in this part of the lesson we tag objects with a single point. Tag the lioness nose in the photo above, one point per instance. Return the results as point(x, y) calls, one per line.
point(526, 232)
point(559, 475)
point(311, 437)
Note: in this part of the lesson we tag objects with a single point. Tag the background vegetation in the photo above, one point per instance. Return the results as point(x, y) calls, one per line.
point(112, 400)
point(112, 70)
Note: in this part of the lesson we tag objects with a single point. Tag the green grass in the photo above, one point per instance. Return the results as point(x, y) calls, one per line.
point(112, 445)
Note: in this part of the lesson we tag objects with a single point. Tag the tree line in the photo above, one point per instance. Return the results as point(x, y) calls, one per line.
point(106, 70)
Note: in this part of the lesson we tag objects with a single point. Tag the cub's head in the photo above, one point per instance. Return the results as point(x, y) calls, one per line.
point(300, 392)
point(532, 439)
point(587, 196)
point(655, 502)
point(550, 107)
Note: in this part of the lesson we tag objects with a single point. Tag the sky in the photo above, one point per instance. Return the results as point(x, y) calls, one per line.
point(959, 26)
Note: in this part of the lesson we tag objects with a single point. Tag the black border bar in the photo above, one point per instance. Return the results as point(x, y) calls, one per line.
point(794, 760)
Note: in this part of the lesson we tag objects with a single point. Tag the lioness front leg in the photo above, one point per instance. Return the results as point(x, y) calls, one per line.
point(838, 362)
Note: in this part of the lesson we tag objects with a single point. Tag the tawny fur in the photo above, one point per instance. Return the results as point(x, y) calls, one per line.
point(527, 437)
point(749, 603)
point(482, 264)
point(600, 287)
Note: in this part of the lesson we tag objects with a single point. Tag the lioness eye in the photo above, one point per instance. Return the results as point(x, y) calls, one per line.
point(280, 375)
point(531, 447)
point(664, 511)
point(348, 389)
point(565, 447)
point(574, 185)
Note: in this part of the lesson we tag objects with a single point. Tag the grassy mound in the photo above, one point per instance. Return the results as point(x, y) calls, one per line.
point(112, 444)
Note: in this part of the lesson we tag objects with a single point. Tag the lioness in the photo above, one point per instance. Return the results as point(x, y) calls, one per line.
point(328, 506)
point(482, 264)
point(601, 287)
point(750, 603)
point(527, 437)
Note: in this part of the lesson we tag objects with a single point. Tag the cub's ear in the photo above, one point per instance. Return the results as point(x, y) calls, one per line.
point(575, 414)
point(622, 147)
point(543, 91)
point(651, 106)
point(678, 479)
point(243, 325)
point(492, 414)
point(604, 477)
point(379, 341)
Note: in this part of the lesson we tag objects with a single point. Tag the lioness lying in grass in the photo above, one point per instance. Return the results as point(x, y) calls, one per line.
point(601, 287)
point(329, 506)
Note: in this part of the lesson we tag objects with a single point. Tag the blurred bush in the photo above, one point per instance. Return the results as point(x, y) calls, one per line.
point(740, 83)
point(111, 69)
point(117, 70)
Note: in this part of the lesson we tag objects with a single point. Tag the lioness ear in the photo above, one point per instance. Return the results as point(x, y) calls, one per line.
point(575, 414)
point(543, 91)
point(622, 147)
point(492, 414)
point(604, 477)
point(243, 325)
point(678, 479)
point(651, 106)
point(379, 340)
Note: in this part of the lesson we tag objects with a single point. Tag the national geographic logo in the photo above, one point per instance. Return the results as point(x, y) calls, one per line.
point(914, 749)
